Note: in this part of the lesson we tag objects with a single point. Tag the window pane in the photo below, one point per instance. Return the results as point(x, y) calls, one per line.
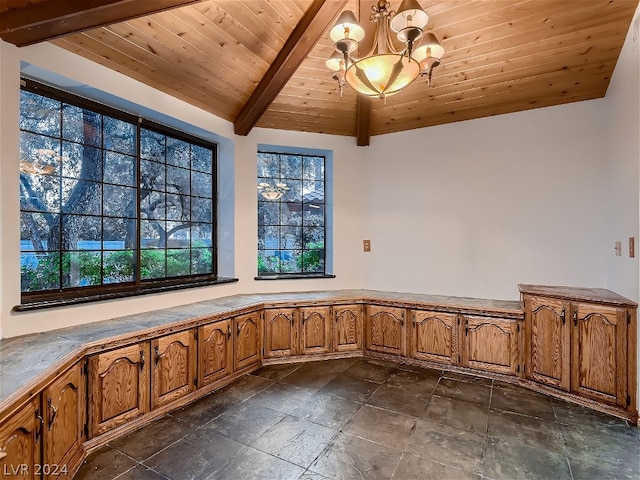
point(119, 201)
point(178, 152)
point(152, 176)
point(80, 161)
point(153, 205)
point(118, 233)
point(152, 264)
point(201, 210)
point(80, 196)
point(201, 184)
point(81, 269)
point(268, 166)
point(313, 168)
point(119, 136)
point(178, 181)
point(119, 169)
point(118, 267)
point(40, 272)
point(39, 155)
point(178, 262)
point(201, 260)
point(40, 193)
point(201, 236)
point(201, 159)
point(81, 126)
point(152, 145)
point(291, 166)
point(81, 233)
point(150, 233)
point(39, 114)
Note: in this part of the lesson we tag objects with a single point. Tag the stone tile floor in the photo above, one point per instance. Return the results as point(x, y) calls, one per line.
point(365, 419)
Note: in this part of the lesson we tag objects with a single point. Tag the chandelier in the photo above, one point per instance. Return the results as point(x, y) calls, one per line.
point(384, 70)
point(272, 192)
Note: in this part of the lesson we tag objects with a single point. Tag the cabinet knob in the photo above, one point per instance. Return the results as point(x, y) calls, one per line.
point(53, 413)
point(142, 360)
point(562, 316)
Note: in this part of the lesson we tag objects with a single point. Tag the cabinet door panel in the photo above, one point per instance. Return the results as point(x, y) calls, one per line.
point(385, 329)
point(281, 332)
point(491, 344)
point(548, 342)
point(215, 351)
point(599, 353)
point(174, 367)
point(247, 346)
point(347, 334)
point(315, 330)
point(20, 442)
point(118, 387)
point(64, 408)
point(434, 337)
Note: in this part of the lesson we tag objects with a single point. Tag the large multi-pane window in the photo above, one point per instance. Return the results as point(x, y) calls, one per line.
point(108, 201)
point(291, 214)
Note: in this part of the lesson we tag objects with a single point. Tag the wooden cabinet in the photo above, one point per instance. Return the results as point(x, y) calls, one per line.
point(315, 330)
point(215, 351)
point(347, 328)
point(599, 352)
point(174, 367)
point(385, 329)
point(434, 336)
point(281, 332)
point(64, 407)
point(20, 442)
point(118, 387)
point(490, 344)
point(582, 341)
point(548, 342)
point(248, 340)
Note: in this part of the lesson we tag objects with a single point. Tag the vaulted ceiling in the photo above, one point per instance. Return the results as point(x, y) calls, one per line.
point(261, 63)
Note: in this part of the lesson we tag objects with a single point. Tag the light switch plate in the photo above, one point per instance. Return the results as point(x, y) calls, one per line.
point(632, 247)
point(367, 245)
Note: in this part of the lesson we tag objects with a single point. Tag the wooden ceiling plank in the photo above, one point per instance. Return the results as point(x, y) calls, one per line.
point(303, 38)
point(54, 18)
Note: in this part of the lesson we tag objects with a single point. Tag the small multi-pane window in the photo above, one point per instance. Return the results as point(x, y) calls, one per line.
point(291, 214)
point(109, 202)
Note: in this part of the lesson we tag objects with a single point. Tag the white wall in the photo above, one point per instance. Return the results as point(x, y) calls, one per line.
point(622, 157)
point(474, 208)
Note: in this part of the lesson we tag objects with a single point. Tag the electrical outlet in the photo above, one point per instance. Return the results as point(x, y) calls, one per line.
point(367, 245)
point(632, 247)
point(618, 248)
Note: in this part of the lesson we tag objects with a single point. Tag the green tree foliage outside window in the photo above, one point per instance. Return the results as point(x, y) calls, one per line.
point(108, 200)
point(291, 228)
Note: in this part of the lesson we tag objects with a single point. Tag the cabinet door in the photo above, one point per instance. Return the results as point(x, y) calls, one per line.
point(247, 347)
point(347, 328)
point(547, 340)
point(215, 354)
point(118, 387)
point(174, 367)
point(315, 330)
point(64, 408)
point(20, 442)
point(434, 337)
point(599, 353)
point(491, 344)
point(385, 329)
point(281, 332)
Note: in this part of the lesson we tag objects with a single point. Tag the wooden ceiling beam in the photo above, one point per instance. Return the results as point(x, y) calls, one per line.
point(51, 19)
point(305, 35)
point(363, 122)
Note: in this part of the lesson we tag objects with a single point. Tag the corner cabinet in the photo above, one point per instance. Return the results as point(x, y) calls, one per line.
point(582, 341)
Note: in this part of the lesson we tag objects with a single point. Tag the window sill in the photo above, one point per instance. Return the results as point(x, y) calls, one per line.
point(61, 302)
point(294, 276)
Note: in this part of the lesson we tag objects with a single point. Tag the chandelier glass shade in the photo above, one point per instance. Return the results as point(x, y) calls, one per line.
point(384, 70)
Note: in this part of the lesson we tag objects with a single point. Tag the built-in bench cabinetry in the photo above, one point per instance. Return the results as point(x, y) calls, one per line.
point(43, 438)
point(312, 330)
point(581, 341)
point(576, 344)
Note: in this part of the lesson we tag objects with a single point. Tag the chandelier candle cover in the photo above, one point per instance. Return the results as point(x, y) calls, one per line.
point(385, 70)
